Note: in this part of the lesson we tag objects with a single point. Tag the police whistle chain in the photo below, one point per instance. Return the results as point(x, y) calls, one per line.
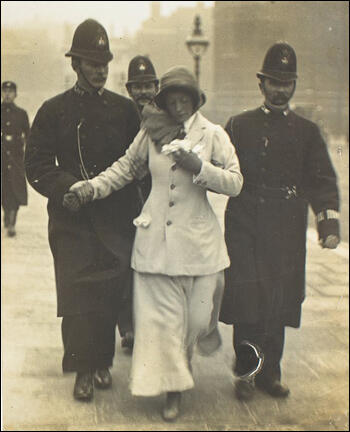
point(82, 165)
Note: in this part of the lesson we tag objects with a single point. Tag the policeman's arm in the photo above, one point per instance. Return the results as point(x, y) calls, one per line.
point(42, 172)
point(133, 123)
point(127, 168)
point(320, 186)
point(25, 126)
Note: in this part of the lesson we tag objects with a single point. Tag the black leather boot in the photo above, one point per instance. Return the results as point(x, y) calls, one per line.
point(171, 408)
point(83, 387)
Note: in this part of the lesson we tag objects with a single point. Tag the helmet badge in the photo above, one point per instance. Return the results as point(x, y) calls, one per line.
point(284, 60)
point(142, 67)
point(101, 42)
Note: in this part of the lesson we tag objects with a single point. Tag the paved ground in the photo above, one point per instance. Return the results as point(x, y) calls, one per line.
point(36, 396)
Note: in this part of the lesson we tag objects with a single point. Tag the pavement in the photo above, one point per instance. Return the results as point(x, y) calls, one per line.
point(37, 396)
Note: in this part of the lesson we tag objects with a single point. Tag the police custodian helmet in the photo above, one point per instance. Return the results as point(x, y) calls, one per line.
point(8, 85)
point(141, 69)
point(90, 42)
point(280, 63)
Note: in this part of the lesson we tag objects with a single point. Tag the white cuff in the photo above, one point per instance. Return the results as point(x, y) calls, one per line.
point(199, 179)
point(327, 214)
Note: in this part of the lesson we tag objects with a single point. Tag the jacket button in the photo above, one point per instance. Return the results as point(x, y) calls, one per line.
point(263, 169)
point(169, 223)
point(171, 204)
point(91, 173)
point(263, 154)
point(8, 152)
point(173, 167)
point(262, 200)
point(172, 186)
point(9, 166)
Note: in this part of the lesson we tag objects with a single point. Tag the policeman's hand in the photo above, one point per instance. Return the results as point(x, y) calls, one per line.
point(84, 191)
point(331, 242)
point(71, 202)
point(188, 160)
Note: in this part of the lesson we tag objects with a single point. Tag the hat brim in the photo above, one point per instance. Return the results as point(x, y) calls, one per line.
point(198, 96)
point(96, 56)
point(143, 78)
point(278, 76)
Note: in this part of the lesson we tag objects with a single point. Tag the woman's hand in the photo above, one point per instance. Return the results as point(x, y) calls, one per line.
point(331, 242)
point(187, 160)
point(84, 191)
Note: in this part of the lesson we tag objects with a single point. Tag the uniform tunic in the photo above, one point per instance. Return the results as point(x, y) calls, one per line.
point(286, 166)
point(14, 132)
point(92, 247)
point(178, 256)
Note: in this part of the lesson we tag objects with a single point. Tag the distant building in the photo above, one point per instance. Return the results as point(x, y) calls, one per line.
point(163, 39)
point(318, 31)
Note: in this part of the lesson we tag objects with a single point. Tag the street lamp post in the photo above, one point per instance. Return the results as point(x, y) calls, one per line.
point(197, 44)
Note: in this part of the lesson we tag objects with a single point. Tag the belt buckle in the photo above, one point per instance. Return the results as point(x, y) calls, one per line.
point(291, 192)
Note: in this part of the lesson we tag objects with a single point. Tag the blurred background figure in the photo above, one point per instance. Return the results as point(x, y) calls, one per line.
point(14, 132)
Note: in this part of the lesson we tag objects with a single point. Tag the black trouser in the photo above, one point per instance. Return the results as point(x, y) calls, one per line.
point(10, 217)
point(271, 343)
point(89, 341)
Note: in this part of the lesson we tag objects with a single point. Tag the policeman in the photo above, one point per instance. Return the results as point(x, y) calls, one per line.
point(142, 86)
point(14, 132)
point(286, 166)
point(142, 82)
point(76, 135)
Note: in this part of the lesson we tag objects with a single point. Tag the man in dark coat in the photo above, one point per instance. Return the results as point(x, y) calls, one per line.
point(142, 86)
point(76, 135)
point(286, 166)
point(14, 132)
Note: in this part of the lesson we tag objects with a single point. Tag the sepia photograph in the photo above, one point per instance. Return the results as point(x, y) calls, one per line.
point(175, 215)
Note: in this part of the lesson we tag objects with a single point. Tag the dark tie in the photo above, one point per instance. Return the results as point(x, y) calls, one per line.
point(181, 134)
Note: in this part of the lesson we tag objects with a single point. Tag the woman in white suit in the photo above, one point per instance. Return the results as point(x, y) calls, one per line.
point(179, 253)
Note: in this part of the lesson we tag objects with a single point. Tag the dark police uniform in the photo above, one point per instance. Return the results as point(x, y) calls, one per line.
point(286, 166)
point(14, 132)
point(73, 135)
point(140, 70)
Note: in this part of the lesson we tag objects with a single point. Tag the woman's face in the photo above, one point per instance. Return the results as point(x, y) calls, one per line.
point(179, 105)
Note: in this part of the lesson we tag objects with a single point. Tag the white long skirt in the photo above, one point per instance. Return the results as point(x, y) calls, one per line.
point(171, 316)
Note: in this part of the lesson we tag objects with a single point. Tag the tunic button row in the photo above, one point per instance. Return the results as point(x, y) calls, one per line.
point(169, 223)
point(172, 186)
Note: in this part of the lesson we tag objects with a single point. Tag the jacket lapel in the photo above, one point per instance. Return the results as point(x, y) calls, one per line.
point(196, 132)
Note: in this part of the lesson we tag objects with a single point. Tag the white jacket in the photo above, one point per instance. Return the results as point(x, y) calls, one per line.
point(177, 230)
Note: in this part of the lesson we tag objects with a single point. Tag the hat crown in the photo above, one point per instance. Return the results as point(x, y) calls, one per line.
point(178, 76)
point(90, 40)
point(280, 62)
point(141, 69)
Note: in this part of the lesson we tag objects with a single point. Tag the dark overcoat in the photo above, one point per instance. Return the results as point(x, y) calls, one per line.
point(91, 248)
point(286, 166)
point(14, 132)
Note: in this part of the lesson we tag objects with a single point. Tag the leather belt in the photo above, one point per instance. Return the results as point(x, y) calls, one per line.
point(284, 192)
